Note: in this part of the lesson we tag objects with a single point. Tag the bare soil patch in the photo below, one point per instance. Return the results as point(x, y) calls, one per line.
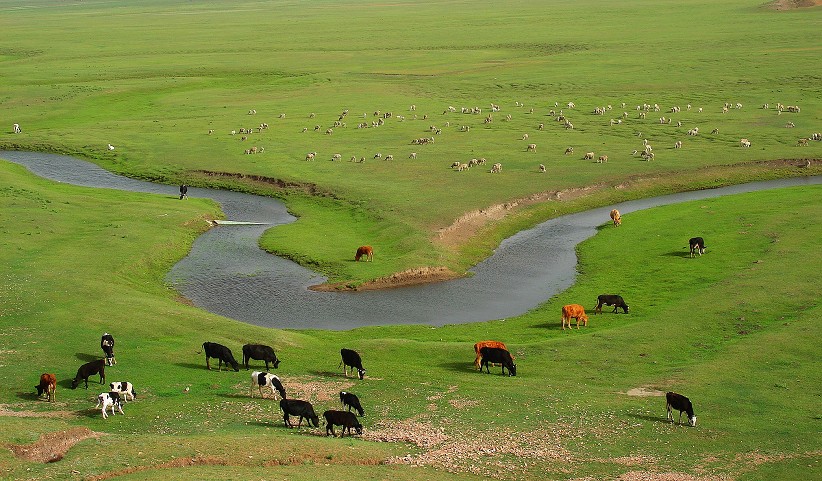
point(53, 446)
point(642, 391)
point(410, 277)
point(792, 4)
point(5, 411)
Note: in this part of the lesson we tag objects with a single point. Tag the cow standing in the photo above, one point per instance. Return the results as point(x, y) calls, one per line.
point(222, 354)
point(47, 386)
point(107, 345)
point(352, 401)
point(680, 403)
point(260, 352)
point(616, 217)
point(697, 244)
point(183, 192)
point(573, 311)
point(499, 356)
point(88, 369)
point(353, 359)
point(610, 300)
point(364, 251)
point(303, 409)
point(341, 418)
point(266, 379)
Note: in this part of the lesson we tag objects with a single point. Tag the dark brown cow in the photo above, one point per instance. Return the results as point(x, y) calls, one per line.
point(364, 251)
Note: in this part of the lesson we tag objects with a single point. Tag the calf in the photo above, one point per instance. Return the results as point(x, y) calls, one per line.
point(107, 345)
point(352, 401)
point(260, 352)
point(88, 369)
point(573, 311)
point(111, 399)
point(500, 356)
point(261, 379)
point(303, 409)
point(48, 384)
point(680, 403)
point(351, 358)
point(125, 388)
point(697, 244)
point(221, 353)
point(610, 300)
point(341, 418)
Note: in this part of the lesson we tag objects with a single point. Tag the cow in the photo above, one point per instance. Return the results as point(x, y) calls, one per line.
point(353, 359)
point(107, 345)
point(478, 346)
point(501, 356)
point(303, 409)
point(125, 388)
point(616, 217)
point(107, 399)
point(260, 352)
point(573, 311)
point(364, 251)
point(267, 379)
point(680, 403)
point(697, 244)
point(88, 369)
point(610, 300)
point(47, 386)
point(341, 418)
point(183, 191)
point(352, 401)
point(220, 352)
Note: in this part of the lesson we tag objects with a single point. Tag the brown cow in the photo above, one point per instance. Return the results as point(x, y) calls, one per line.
point(366, 251)
point(481, 344)
point(616, 217)
point(573, 311)
point(48, 384)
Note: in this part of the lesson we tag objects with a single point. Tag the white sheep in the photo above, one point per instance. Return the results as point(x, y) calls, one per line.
point(531, 148)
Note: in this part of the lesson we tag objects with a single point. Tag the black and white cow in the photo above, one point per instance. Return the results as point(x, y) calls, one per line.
point(697, 244)
point(341, 418)
point(352, 401)
point(220, 352)
point(260, 352)
point(125, 388)
point(109, 399)
point(495, 355)
point(266, 379)
point(353, 359)
point(183, 191)
point(88, 369)
point(303, 409)
point(680, 403)
point(107, 345)
point(610, 300)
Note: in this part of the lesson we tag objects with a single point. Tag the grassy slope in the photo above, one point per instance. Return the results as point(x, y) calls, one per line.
point(735, 330)
point(174, 70)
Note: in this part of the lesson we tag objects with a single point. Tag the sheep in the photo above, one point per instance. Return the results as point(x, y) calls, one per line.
point(602, 159)
point(588, 156)
point(531, 148)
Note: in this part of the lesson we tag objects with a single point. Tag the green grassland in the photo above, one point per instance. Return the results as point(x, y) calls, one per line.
point(153, 78)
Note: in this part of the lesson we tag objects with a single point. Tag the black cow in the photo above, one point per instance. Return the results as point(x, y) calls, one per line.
point(260, 352)
point(88, 369)
point(341, 418)
point(183, 192)
point(697, 244)
point(680, 403)
point(610, 300)
point(107, 345)
point(495, 355)
point(220, 352)
point(303, 409)
point(352, 401)
point(351, 358)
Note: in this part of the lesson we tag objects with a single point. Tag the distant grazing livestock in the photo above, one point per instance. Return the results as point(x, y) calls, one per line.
point(610, 300)
point(680, 403)
point(496, 168)
point(696, 244)
point(110, 147)
point(542, 168)
point(260, 352)
point(107, 345)
point(573, 311)
point(125, 389)
point(364, 251)
point(353, 359)
point(588, 156)
point(266, 379)
point(531, 148)
point(493, 355)
point(89, 369)
point(569, 150)
point(183, 191)
point(745, 142)
point(47, 386)
point(524, 136)
point(310, 155)
point(341, 418)
point(678, 144)
point(455, 164)
point(616, 217)
point(16, 128)
point(221, 353)
point(109, 399)
point(352, 401)
point(602, 159)
point(303, 409)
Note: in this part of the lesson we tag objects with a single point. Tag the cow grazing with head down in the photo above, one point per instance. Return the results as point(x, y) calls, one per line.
point(341, 418)
point(478, 347)
point(352, 401)
point(109, 399)
point(183, 191)
point(221, 353)
point(107, 345)
point(266, 379)
point(353, 359)
point(573, 311)
point(697, 244)
point(492, 355)
point(303, 409)
point(88, 369)
point(680, 403)
point(364, 251)
point(616, 217)
point(47, 386)
point(260, 352)
point(125, 389)
point(610, 300)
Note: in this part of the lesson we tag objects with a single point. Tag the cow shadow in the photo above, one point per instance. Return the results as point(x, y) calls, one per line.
point(684, 255)
point(191, 365)
point(458, 366)
point(29, 396)
point(266, 424)
point(549, 325)
point(85, 357)
point(337, 374)
point(645, 417)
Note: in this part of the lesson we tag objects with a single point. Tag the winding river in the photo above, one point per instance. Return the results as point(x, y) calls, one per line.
point(228, 274)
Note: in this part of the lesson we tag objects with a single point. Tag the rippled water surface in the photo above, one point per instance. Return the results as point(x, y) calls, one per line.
point(228, 274)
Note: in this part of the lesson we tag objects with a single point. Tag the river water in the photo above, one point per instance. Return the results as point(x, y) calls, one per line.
point(228, 274)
